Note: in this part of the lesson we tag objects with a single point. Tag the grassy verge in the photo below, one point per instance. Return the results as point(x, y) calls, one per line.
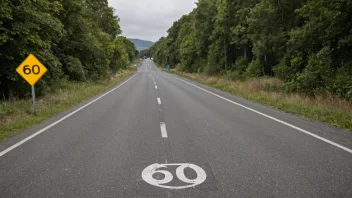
point(328, 109)
point(16, 115)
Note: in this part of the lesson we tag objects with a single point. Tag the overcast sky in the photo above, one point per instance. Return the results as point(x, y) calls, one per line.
point(149, 19)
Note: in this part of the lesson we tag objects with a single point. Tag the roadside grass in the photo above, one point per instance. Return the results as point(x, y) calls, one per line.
point(16, 115)
point(328, 109)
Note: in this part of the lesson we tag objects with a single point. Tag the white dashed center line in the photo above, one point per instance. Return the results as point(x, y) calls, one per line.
point(163, 129)
point(159, 101)
point(161, 116)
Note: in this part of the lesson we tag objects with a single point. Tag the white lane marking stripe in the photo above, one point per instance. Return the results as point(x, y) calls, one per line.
point(159, 101)
point(60, 120)
point(270, 117)
point(163, 129)
point(156, 87)
point(154, 83)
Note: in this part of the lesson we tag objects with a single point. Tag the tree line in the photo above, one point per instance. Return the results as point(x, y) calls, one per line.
point(306, 43)
point(77, 40)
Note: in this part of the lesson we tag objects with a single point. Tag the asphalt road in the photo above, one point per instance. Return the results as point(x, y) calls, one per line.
point(218, 144)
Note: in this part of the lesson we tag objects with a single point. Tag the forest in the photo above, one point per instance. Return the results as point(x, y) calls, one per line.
point(305, 43)
point(77, 40)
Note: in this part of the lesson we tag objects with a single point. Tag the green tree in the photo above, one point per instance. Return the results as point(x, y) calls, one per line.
point(75, 39)
point(28, 27)
point(307, 43)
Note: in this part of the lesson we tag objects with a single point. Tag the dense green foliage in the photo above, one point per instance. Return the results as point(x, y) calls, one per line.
point(306, 43)
point(75, 39)
point(145, 52)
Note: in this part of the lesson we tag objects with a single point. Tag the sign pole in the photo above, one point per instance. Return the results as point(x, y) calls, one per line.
point(33, 96)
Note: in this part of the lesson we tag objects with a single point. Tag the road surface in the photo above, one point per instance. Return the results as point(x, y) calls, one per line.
point(218, 144)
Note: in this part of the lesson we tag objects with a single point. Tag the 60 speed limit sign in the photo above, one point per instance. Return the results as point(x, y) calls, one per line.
point(31, 69)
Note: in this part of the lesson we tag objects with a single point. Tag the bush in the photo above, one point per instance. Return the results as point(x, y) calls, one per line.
point(341, 84)
point(199, 65)
point(254, 69)
point(210, 70)
point(234, 75)
point(283, 71)
point(316, 75)
point(53, 77)
point(179, 67)
point(240, 65)
point(75, 69)
point(238, 69)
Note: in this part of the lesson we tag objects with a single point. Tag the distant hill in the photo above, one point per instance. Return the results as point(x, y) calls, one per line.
point(142, 44)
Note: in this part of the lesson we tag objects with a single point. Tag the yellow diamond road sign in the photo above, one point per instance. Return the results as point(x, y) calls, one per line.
point(31, 69)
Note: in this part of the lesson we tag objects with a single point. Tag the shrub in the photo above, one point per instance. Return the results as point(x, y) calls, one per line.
point(238, 69)
point(240, 65)
point(254, 69)
point(75, 69)
point(210, 70)
point(341, 84)
point(179, 67)
point(317, 74)
point(282, 71)
point(53, 77)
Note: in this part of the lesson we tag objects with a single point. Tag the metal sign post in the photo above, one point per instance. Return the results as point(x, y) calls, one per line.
point(33, 97)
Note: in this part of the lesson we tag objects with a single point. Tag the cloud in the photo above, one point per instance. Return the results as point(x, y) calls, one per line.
point(149, 19)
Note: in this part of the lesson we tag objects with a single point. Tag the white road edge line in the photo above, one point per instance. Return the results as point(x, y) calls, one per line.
point(159, 101)
point(270, 117)
point(60, 120)
point(163, 129)
point(156, 87)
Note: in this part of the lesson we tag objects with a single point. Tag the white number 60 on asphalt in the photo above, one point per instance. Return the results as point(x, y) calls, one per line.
point(148, 173)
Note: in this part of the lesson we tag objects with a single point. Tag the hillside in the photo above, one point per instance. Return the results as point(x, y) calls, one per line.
point(141, 44)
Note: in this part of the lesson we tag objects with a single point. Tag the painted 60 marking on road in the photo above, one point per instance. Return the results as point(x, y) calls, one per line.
point(148, 172)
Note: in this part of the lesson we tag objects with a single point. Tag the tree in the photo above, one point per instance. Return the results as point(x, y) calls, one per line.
point(297, 41)
point(28, 28)
point(75, 39)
